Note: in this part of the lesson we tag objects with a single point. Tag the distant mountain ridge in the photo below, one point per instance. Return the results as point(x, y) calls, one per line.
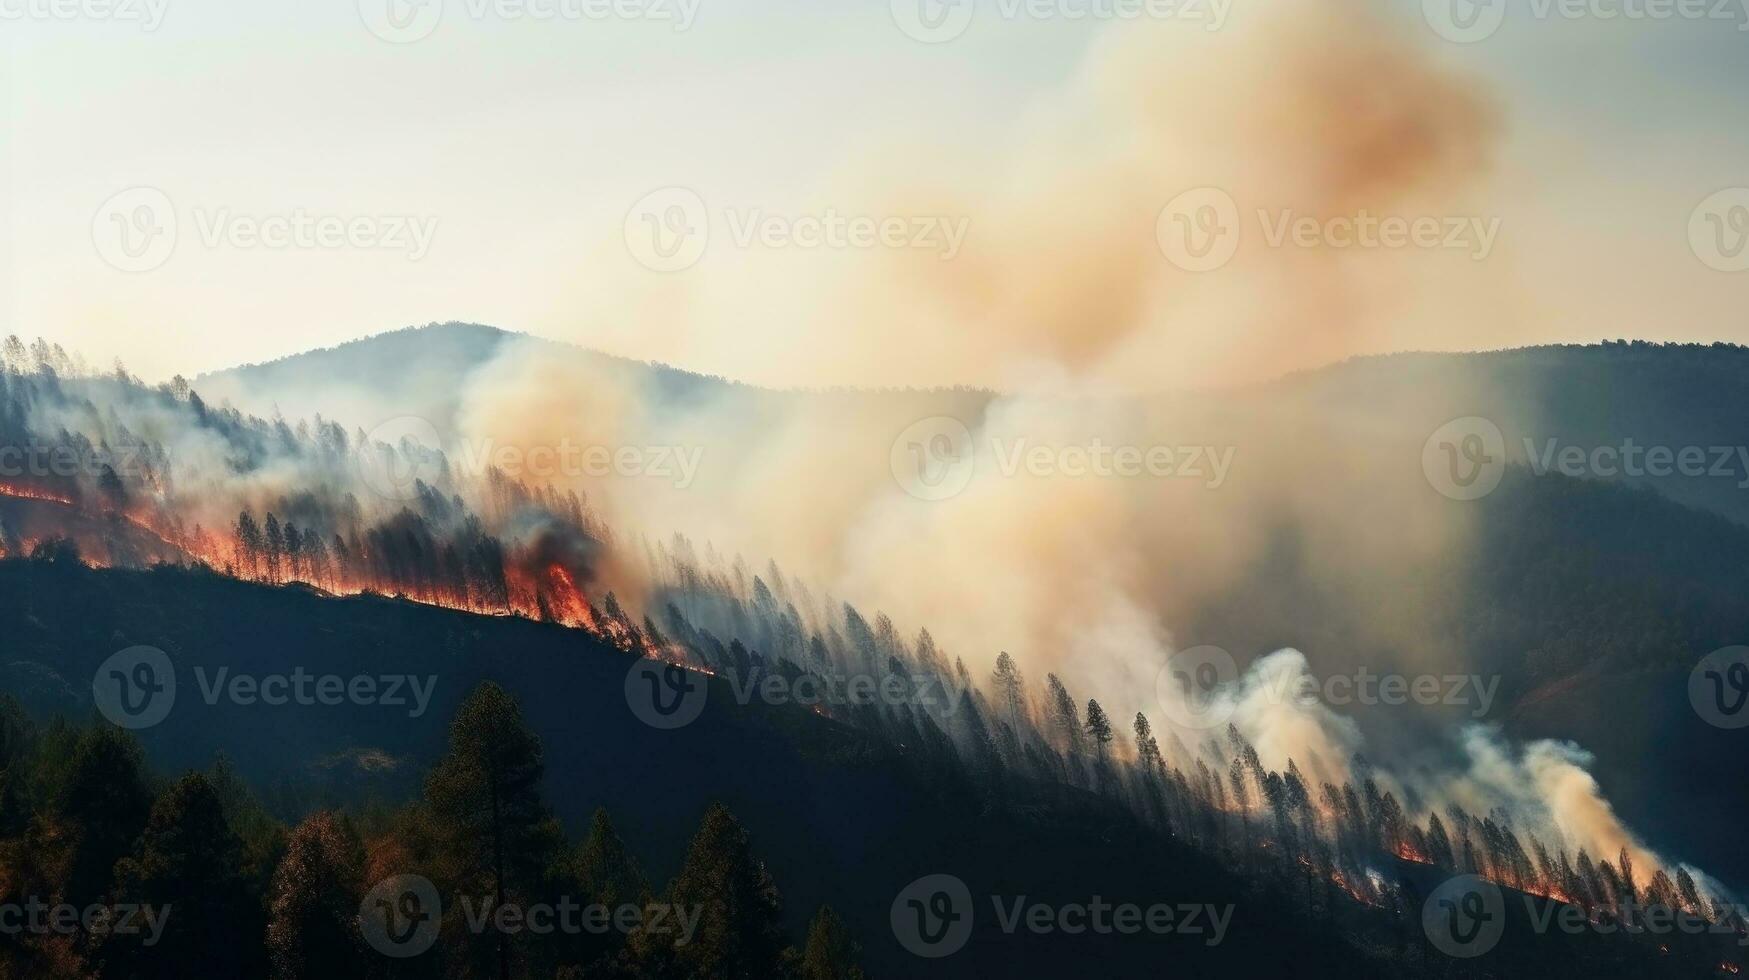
point(1543, 399)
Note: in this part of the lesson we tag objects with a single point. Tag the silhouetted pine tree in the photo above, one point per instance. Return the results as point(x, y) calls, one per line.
point(739, 934)
point(313, 902)
point(830, 953)
point(188, 866)
point(497, 841)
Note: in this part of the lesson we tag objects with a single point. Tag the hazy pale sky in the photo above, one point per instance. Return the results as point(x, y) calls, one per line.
point(485, 172)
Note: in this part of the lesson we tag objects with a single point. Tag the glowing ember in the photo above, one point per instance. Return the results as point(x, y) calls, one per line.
point(29, 493)
point(551, 593)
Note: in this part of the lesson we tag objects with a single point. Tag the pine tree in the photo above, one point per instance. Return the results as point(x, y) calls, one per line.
point(1625, 866)
point(16, 736)
point(313, 903)
point(249, 543)
point(1153, 769)
point(273, 545)
point(1065, 722)
point(188, 862)
point(1099, 731)
point(607, 875)
point(1690, 894)
point(830, 953)
point(605, 870)
point(1010, 688)
point(497, 839)
point(1438, 844)
point(1240, 779)
point(1148, 749)
point(98, 812)
point(740, 934)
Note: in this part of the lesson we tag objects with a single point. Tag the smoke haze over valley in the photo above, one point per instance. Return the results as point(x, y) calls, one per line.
point(939, 470)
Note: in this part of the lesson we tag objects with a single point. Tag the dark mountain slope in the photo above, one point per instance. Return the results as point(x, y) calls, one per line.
point(839, 818)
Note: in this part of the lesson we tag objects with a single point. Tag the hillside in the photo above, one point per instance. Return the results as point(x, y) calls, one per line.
point(1572, 591)
point(838, 818)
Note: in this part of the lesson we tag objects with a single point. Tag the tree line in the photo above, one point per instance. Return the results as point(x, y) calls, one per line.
point(84, 823)
point(1337, 845)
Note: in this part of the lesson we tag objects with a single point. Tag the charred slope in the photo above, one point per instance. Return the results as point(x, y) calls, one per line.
point(1591, 602)
point(839, 818)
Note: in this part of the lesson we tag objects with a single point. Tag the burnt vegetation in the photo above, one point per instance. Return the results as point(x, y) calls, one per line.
point(272, 852)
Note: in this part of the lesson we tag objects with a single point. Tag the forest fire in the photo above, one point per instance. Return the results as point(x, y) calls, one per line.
point(29, 493)
point(1408, 852)
point(293, 510)
point(283, 556)
point(1366, 891)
